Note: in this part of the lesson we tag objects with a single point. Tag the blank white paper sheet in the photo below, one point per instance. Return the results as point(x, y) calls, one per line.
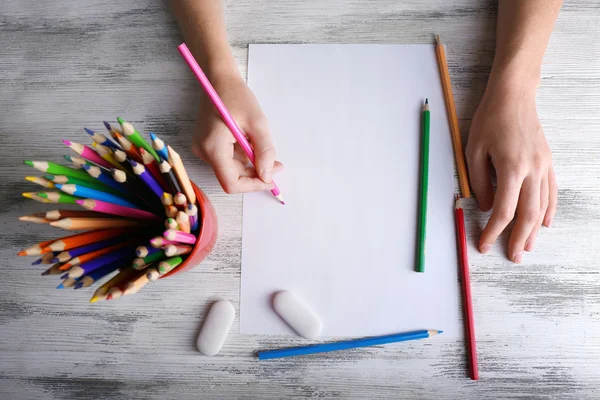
point(346, 122)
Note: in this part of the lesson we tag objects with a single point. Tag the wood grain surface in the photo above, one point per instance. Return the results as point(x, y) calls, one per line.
point(65, 65)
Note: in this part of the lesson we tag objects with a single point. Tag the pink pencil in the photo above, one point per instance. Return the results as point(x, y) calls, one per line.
point(218, 103)
point(115, 209)
point(179, 236)
point(88, 154)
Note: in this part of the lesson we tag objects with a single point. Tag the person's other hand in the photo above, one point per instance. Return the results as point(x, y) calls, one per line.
point(214, 143)
point(507, 133)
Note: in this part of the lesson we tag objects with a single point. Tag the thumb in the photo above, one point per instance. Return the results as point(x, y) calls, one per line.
point(481, 182)
point(264, 150)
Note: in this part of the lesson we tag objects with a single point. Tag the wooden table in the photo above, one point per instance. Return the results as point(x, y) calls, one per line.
point(65, 65)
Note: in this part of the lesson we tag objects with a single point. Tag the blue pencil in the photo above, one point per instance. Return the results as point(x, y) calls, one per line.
point(105, 177)
point(88, 248)
point(350, 344)
point(159, 147)
point(89, 193)
point(126, 254)
point(101, 139)
point(141, 172)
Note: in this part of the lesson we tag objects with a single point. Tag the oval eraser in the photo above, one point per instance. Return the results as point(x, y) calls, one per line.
point(297, 314)
point(215, 328)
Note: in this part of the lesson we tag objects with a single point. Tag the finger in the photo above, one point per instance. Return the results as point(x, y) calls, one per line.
point(505, 204)
point(251, 171)
point(481, 182)
point(264, 150)
point(544, 194)
point(552, 199)
point(528, 213)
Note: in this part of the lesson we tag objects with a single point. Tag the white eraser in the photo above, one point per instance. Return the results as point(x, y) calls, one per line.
point(215, 328)
point(297, 314)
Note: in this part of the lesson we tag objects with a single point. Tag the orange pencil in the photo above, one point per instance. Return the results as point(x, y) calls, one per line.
point(74, 224)
point(95, 254)
point(452, 119)
point(129, 148)
point(80, 239)
point(37, 249)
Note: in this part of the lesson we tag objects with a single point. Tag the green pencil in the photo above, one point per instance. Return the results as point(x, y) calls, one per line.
point(420, 266)
point(134, 137)
point(56, 169)
point(59, 197)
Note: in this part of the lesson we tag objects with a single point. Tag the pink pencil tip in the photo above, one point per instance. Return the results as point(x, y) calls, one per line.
point(283, 203)
point(68, 143)
point(80, 202)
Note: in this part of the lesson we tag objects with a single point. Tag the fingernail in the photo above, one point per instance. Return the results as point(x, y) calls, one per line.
point(518, 257)
point(549, 222)
point(484, 248)
point(529, 245)
point(266, 174)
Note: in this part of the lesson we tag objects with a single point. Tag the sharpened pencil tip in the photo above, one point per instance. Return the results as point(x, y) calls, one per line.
point(36, 262)
point(22, 253)
point(55, 260)
point(61, 286)
point(152, 136)
point(46, 272)
point(440, 332)
point(66, 142)
point(80, 202)
point(93, 299)
point(86, 167)
point(426, 100)
point(107, 125)
point(120, 120)
point(78, 285)
point(27, 195)
point(27, 162)
point(89, 131)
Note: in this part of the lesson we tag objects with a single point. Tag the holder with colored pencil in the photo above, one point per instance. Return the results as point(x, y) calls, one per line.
point(118, 186)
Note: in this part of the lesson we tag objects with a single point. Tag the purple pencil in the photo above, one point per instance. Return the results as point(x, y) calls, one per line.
point(88, 248)
point(192, 211)
point(147, 178)
point(121, 255)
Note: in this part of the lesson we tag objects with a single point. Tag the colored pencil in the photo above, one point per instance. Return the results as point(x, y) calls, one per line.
point(97, 274)
point(87, 248)
point(34, 196)
point(84, 238)
point(144, 251)
point(132, 151)
point(95, 184)
point(344, 345)
point(140, 171)
point(101, 139)
point(105, 177)
point(121, 278)
point(152, 274)
point(58, 197)
point(119, 256)
point(179, 236)
point(45, 259)
point(67, 283)
point(78, 162)
point(177, 250)
point(171, 211)
point(55, 215)
point(136, 284)
point(452, 118)
point(160, 241)
point(53, 270)
point(424, 184)
point(117, 290)
point(83, 258)
point(78, 224)
point(87, 153)
point(142, 192)
point(111, 129)
point(167, 172)
point(169, 265)
point(181, 174)
point(183, 220)
point(461, 236)
point(56, 169)
point(114, 209)
point(85, 192)
point(134, 137)
point(37, 249)
point(152, 167)
point(167, 199)
point(225, 115)
point(40, 181)
point(107, 155)
point(159, 146)
point(180, 201)
point(192, 211)
point(35, 218)
point(142, 262)
point(170, 223)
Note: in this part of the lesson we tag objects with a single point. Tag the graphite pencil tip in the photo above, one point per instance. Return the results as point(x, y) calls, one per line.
point(426, 100)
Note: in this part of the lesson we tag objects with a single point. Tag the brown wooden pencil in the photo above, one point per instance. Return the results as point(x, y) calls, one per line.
point(55, 215)
point(37, 218)
point(452, 118)
point(54, 270)
point(182, 176)
point(73, 224)
point(121, 279)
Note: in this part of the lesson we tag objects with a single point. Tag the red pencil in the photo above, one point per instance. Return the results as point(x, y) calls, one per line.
point(461, 237)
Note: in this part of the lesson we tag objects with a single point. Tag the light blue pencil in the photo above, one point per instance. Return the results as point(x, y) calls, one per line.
point(159, 146)
point(89, 193)
point(349, 344)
